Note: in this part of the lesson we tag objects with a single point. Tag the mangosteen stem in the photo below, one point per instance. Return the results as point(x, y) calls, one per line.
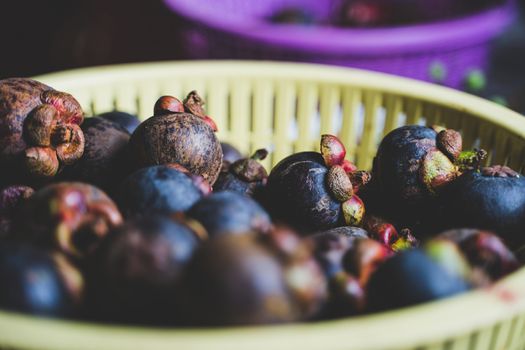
point(260, 154)
point(470, 160)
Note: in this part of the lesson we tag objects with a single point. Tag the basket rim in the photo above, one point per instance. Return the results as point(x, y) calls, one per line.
point(431, 323)
point(428, 37)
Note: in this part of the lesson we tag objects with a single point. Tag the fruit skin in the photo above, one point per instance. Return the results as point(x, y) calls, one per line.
point(484, 250)
point(303, 275)
point(245, 176)
point(181, 138)
point(71, 217)
point(11, 200)
point(127, 121)
point(410, 278)
point(32, 283)
point(297, 193)
point(363, 258)
point(331, 245)
point(157, 189)
point(39, 131)
point(226, 213)
point(233, 280)
point(397, 187)
point(487, 202)
point(135, 273)
point(230, 153)
point(104, 163)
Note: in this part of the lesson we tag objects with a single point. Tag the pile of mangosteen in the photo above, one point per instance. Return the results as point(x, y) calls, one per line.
point(108, 219)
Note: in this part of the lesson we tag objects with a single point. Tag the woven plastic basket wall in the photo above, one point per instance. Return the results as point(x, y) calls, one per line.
point(286, 106)
point(236, 29)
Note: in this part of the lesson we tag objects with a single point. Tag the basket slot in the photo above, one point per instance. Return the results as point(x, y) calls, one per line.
point(463, 343)
point(394, 106)
point(262, 117)
point(502, 338)
point(515, 333)
point(329, 103)
point(367, 147)
point(149, 93)
point(86, 101)
point(103, 99)
point(173, 87)
point(486, 136)
point(469, 131)
point(307, 97)
point(240, 109)
point(217, 107)
point(351, 104)
point(285, 102)
point(126, 98)
point(414, 111)
point(486, 338)
point(501, 147)
point(433, 115)
point(516, 154)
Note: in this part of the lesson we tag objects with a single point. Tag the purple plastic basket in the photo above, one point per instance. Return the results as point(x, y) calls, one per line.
point(236, 29)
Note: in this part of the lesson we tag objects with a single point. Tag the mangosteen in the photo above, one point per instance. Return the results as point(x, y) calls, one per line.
point(245, 176)
point(32, 283)
point(386, 233)
point(484, 250)
point(346, 297)
point(104, 163)
point(303, 275)
point(331, 245)
point(127, 121)
point(230, 213)
point(180, 134)
point(71, 217)
point(158, 189)
point(363, 258)
point(233, 280)
point(314, 191)
point(11, 200)
point(491, 199)
point(39, 131)
point(410, 277)
point(414, 163)
point(230, 153)
point(135, 273)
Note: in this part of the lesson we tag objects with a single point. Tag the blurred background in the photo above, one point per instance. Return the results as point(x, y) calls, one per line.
point(477, 46)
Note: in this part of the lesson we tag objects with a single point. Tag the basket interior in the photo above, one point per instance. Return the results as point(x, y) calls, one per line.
point(286, 112)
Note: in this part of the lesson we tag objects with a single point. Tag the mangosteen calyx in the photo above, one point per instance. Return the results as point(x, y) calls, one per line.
point(250, 169)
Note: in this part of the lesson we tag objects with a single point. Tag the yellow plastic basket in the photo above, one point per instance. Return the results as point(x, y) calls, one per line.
point(285, 107)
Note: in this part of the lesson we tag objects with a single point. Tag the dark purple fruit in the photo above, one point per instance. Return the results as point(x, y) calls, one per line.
point(492, 199)
point(104, 162)
point(71, 217)
point(412, 166)
point(304, 276)
point(298, 193)
point(363, 258)
point(136, 271)
point(157, 189)
point(39, 130)
point(483, 250)
point(230, 153)
point(174, 137)
point(233, 280)
point(230, 213)
point(33, 283)
point(410, 278)
point(127, 121)
point(330, 247)
point(244, 176)
point(12, 199)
